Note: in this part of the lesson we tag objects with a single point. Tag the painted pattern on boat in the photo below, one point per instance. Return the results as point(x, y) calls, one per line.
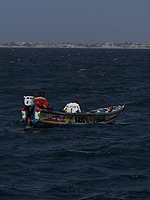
point(44, 117)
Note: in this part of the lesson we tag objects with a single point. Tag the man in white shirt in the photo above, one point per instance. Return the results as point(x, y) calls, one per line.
point(72, 107)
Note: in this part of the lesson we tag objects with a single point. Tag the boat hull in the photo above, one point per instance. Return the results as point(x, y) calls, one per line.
point(45, 118)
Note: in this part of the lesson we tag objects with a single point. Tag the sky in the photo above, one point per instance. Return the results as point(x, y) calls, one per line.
point(85, 21)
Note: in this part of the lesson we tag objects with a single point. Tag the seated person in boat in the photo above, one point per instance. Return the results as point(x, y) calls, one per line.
point(72, 107)
point(41, 101)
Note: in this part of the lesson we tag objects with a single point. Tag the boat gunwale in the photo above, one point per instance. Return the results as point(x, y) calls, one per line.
point(84, 113)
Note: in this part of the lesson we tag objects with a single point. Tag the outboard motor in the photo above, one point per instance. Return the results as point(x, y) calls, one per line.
point(29, 107)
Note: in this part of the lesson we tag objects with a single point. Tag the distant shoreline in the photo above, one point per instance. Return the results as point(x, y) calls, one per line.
point(23, 47)
point(74, 46)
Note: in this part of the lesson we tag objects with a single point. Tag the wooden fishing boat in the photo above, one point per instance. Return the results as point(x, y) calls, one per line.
point(47, 118)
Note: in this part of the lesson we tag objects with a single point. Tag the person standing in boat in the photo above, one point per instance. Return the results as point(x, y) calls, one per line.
point(41, 101)
point(72, 107)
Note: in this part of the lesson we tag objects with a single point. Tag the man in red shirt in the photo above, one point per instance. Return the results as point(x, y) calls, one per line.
point(41, 101)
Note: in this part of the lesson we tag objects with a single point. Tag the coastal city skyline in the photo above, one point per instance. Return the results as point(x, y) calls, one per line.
point(80, 21)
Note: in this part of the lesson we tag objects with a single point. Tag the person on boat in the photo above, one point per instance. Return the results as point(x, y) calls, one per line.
point(72, 107)
point(41, 101)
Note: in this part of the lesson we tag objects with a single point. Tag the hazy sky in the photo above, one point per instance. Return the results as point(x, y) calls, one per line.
point(90, 21)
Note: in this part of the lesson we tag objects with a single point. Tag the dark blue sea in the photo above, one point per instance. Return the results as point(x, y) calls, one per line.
point(78, 162)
